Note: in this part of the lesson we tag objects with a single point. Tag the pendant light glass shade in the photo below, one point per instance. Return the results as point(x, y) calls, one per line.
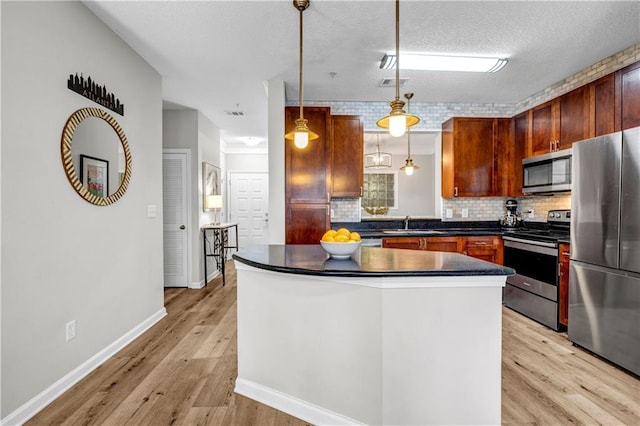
point(378, 159)
point(301, 135)
point(398, 120)
point(409, 167)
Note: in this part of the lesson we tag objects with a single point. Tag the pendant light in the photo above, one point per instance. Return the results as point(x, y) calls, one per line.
point(301, 135)
point(397, 121)
point(409, 167)
point(378, 159)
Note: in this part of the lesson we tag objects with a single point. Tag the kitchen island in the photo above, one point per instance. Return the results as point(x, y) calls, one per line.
point(386, 337)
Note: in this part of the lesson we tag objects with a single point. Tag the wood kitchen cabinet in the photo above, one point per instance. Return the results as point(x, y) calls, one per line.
point(347, 149)
point(472, 149)
point(307, 188)
point(627, 94)
point(544, 124)
point(448, 244)
point(410, 243)
point(574, 117)
point(563, 283)
point(602, 105)
point(555, 125)
point(489, 248)
point(520, 131)
point(306, 223)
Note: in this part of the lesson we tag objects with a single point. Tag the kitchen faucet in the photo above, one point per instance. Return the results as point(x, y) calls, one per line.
point(406, 222)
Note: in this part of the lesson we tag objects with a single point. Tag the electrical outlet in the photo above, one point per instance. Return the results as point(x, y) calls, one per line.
point(531, 215)
point(71, 330)
point(465, 213)
point(449, 213)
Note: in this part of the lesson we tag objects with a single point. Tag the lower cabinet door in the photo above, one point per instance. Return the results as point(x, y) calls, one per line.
point(403, 243)
point(306, 223)
point(450, 244)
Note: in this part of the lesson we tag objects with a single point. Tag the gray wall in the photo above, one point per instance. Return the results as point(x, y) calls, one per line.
point(189, 129)
point(63, 258)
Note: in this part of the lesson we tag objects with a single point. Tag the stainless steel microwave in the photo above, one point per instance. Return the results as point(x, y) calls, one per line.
point(547, 173)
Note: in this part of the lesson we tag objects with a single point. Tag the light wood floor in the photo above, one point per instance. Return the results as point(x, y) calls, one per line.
point(182, 372)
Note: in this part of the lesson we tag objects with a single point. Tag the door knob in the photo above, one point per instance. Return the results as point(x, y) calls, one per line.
point(182, 227)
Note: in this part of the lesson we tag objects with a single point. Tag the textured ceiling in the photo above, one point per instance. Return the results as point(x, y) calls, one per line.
point(214, 56)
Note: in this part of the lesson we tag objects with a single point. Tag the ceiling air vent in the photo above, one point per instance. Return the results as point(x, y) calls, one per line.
point(235, 113)
point(391, 82)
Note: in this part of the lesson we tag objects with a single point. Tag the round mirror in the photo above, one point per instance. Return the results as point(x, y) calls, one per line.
point(96, 156)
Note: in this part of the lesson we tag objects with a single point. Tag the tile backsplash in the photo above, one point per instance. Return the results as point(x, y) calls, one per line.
point(533, 208)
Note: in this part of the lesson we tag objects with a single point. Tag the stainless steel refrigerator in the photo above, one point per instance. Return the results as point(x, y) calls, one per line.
point(604, 279)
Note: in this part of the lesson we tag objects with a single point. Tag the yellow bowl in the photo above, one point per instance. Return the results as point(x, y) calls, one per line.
point(340, 250)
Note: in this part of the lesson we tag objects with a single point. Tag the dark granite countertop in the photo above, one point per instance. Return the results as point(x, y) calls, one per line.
point(365, 262)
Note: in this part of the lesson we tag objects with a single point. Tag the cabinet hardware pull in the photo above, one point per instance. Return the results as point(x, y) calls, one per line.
point(328, 213)
point(550, 146)
point(481, 243)
point(328, 198)
point(361, 190)
point(455, 191)
point(566, 253)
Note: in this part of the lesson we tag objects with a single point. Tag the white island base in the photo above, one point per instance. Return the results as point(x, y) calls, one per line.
point(410, 350)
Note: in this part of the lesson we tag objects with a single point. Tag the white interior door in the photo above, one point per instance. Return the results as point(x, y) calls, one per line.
point(175, 219)
point(249, 206)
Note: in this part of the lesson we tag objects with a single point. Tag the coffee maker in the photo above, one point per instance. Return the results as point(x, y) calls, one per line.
point(512, 219)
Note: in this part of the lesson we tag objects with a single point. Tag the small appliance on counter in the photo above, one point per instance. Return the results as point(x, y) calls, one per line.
point(512, 219)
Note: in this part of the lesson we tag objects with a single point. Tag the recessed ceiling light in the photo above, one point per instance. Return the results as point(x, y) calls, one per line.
point(414, 61)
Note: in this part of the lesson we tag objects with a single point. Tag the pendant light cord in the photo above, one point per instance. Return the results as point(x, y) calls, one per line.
point(300, 75)
point(397, 49)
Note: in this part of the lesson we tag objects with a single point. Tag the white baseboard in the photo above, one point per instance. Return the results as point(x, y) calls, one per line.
point(201, 284)
point(44, 398)
point(196, 285)
point(290, 405)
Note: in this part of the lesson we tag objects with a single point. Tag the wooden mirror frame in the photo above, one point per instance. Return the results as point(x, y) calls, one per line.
point(67, 161)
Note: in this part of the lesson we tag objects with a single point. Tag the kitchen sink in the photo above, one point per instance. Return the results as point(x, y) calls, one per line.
point(411, 231)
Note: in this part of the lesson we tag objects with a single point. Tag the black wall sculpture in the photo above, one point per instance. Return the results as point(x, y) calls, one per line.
point(98, 94)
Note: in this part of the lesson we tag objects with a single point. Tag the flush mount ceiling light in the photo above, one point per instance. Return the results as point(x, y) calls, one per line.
point(378, 159)
point(397, 121)
point(251, 141)
point(301, 135)
point(416, 61)
point(409, 167)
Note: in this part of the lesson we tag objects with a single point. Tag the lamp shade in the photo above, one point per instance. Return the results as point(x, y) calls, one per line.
point(213, 202)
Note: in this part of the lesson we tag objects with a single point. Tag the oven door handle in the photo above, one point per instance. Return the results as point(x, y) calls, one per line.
point(533, 242)
point(541, 247)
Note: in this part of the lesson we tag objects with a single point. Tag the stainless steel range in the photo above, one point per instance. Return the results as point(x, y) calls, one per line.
point(533, 253)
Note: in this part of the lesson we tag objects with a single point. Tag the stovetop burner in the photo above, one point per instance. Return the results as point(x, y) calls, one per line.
point(557, 228)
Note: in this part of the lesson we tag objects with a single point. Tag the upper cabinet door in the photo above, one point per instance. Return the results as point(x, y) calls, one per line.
point(468, 157)
point(627, 87)
point(347, 145)
point(602, 106)
point(574, 117)
point(520, 136)
point(544, 128)
point(306, 170)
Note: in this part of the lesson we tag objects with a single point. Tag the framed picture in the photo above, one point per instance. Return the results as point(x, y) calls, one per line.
point(94, 175)
point(210, 183)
